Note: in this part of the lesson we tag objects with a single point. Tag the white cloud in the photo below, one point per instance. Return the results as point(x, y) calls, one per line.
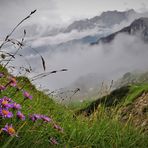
point(62, 37)
point(14, 11)
point(110, 61)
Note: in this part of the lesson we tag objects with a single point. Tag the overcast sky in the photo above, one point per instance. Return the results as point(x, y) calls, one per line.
point(55, 11)
point(89, 8)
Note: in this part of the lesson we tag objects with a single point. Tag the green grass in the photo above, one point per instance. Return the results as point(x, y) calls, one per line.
point(135, 91)
point(77, 105)
point(116, 99)
point(97, 131)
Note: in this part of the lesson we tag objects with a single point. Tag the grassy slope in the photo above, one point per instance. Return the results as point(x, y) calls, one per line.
point(97, 131)
point(117, 98)
point(135, 91)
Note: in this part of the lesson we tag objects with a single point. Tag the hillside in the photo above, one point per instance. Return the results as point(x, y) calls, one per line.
point(129, 104)
point(131, 78)
point(61, 127)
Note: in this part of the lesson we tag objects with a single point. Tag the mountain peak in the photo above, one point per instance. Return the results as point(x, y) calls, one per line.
point(131, 11)
point(141, 21)
point(138, 26)
point(116, 12)
point(106, 19)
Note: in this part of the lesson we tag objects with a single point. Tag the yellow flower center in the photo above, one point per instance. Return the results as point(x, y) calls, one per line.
point(11, 130)
point(4, 102)
point(5, 112)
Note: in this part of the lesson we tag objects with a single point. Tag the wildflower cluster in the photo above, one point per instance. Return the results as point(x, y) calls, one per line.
point(8, 107)
point(46, 119)
point(11, 109)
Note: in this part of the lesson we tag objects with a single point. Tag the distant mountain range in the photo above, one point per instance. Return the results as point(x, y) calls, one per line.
point(137, 27)
point(103, 28)
point(89, 84)
point(107, 20)
point(64, 41)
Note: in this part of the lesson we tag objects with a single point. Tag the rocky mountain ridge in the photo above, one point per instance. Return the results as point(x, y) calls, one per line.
point(138, 27)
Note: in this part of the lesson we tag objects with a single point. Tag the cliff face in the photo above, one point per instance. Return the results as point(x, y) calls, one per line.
point(138, 27)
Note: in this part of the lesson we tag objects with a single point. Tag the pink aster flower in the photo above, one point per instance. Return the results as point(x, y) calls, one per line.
point(55, 126)
point(9, 130)
point(1, 74)
point(8, 99)
point(13, 81)
point(16, 106)
point(20, 116)
point(2, 87)
point(45, 118)
point(4, 103)
point(27, 95)
point(6, 113)
point(35, 117)
point(53, 141)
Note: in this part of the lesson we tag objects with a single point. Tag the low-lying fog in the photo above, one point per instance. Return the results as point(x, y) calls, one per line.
point(92, 64)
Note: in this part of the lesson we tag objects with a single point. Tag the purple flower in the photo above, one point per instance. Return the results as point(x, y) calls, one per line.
point(1, 74)
point(8, 99)
point(20, 116)
point(2, 87)
point(45, 118)
point(58, 127)
point(27, 95)
point(9, 130)
point(35, 117)
point(6, 113)
point(53, 141)
point(16, 106)
point(5, 103)
point(13, 81)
